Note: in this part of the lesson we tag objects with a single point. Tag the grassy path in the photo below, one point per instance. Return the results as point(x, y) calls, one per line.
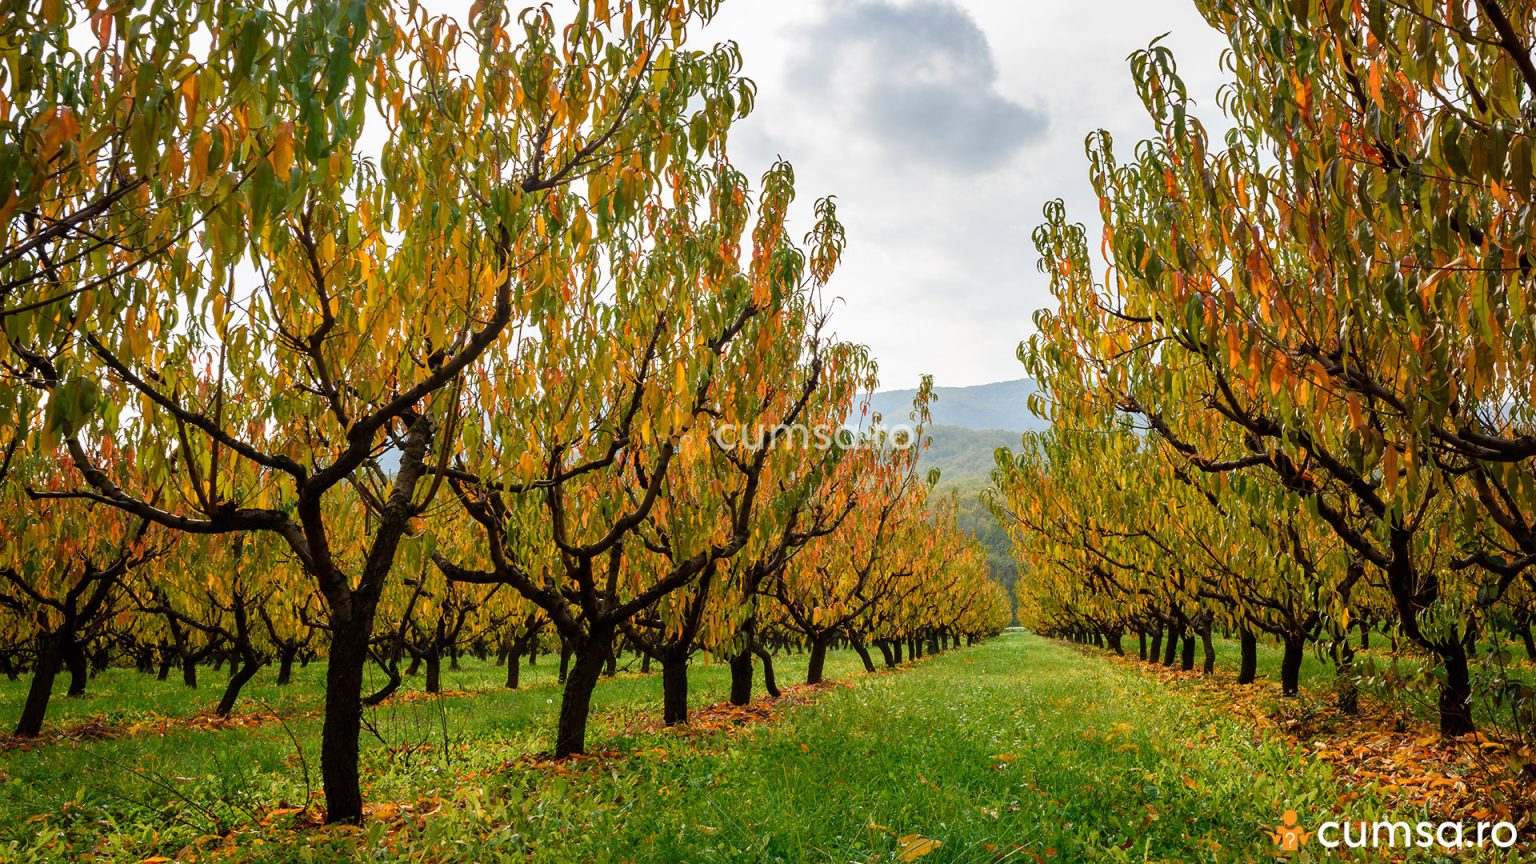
point(1016, 750)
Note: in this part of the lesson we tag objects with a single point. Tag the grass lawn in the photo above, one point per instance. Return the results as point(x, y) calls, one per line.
point(1016, 750)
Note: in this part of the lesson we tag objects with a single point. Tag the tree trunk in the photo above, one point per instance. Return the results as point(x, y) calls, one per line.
point(79, 672)
point(769, 682)
point(1115, 644)
point(343, 722)
point(885, 653)
point(741, 677)
point(434, 661)
point(1141, 639)
point(189, 671)
point(514, 668)
point(1290, 665)
point(49, 661)
point(245, 672)
point(1365, 635)
point(565, 660)
point(1157, 645)
point(1456, 693)
point(1171, 648)
point(896, 645)
point(1248, 665)
point(863, 652)
point(285, 657)
point(576, 702)
point(1187, 656)
point(1525, 637)
point(818, 661)
point(674, 690)
point(1209, 645)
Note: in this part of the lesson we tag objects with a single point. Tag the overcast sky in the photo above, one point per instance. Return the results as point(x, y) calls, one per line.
point(943, 126)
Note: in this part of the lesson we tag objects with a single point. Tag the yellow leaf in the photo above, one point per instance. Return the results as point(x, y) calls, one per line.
point(915, 846)
point(282, 151)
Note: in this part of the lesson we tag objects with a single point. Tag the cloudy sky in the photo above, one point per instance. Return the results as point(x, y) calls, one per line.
point(943, 126)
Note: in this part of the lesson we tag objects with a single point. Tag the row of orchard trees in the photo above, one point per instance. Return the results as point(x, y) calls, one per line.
point(1303, 392)
point(115, 589)
point(350, 320)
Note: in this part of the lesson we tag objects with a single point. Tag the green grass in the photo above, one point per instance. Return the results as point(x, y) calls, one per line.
point(1012, 749)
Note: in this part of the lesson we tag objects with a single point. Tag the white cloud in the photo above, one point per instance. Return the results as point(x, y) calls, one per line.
point(943, 127)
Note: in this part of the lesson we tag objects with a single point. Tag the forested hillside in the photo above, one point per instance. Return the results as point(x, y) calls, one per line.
point(1000, 405)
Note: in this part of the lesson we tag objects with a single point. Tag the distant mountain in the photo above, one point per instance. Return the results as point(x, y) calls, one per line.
point(961, 454)
point(1003, 405)
point(969, 425)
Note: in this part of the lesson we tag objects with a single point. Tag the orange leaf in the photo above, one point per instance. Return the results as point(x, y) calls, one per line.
point(915, 846)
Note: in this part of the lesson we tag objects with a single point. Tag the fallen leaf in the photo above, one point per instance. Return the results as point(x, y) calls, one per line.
point(915, 846)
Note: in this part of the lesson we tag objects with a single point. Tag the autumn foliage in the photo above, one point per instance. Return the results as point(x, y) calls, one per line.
point(1297, 404)
point(361, 333)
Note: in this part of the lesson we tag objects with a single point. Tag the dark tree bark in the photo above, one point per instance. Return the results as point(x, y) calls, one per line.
point(1206, 642)
point(243, 673)
point(1525, 637)
point(1248, 663)
point(741, 677)
point(50, 659)
point(885, 653)
point(344, 720)
point(770, 683)
point(434, 662)
point(580, 682)
point(245, 660)
point(1290, 665)
point(1157, 645)
point(818, 661)
point(1171, 649)
point(1141, 648)
point(514, 668)
point(863, 652)
point(1456, 693)
point(285, 658)
point(674, 689)
point(79, 672)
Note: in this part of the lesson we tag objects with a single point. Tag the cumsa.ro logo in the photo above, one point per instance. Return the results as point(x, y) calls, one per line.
point(1289, 836)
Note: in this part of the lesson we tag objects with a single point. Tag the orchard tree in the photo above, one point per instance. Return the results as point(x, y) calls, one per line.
point(608, 496)
point(125, 130)
point(63, 565)
point(274, 357)
point(1343, 286)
